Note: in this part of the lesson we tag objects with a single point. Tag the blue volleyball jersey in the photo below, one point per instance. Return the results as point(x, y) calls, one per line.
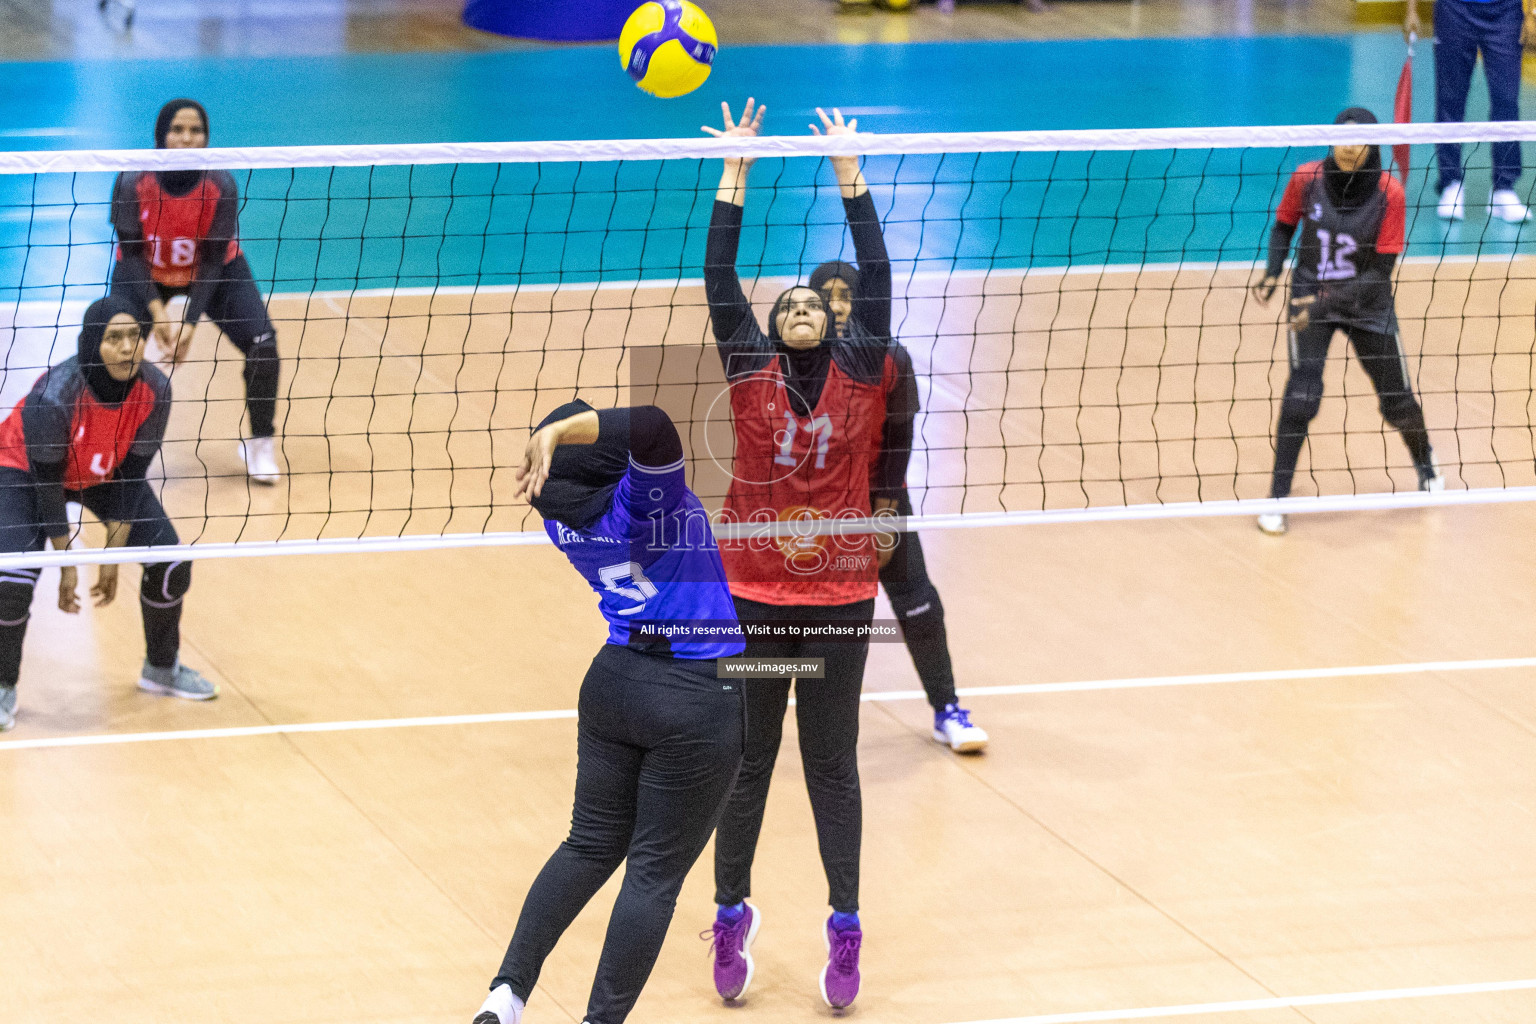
point(653, 563)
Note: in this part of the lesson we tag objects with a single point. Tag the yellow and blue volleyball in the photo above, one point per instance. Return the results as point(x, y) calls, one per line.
point(668, 47)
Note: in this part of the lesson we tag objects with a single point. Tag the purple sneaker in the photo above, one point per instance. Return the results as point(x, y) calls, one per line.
point(840, 978)
point(733, 952)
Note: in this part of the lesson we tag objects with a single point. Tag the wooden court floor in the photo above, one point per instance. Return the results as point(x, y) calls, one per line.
point(1117, 848)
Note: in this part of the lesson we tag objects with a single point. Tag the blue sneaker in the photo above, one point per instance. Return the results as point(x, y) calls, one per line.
point(952, 727)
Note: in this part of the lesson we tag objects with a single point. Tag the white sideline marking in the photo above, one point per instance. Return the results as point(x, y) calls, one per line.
point(878, 697)
point(106, 739)
point(1380, 995)
point(39, 133)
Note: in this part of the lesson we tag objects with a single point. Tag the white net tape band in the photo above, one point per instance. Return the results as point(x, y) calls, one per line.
point(792, 529)
point(1090, 140)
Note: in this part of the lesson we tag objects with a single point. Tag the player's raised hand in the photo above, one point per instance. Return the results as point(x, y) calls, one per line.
point(834, 125)
point(845, 167)
point(749, 127)
point(530, 476)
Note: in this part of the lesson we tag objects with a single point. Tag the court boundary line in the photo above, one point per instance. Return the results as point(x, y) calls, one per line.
point(874, 697)
point(677, 283)
point(1273, 1003)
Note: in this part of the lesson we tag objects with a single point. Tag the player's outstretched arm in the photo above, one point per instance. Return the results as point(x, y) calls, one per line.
point(849, 177)
point(733, 178)
point(728, 305)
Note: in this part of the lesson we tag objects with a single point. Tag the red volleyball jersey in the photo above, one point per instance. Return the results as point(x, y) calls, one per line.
point(174, 228)
point(60, 418)
point(790, 467)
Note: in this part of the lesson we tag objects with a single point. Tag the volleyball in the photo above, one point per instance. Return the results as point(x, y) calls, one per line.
point(668, 46)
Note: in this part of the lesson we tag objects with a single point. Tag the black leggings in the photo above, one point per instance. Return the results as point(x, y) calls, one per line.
point(160, 591)
point(237, 309)
point(1382, 357)
point(827, 712)
point(920, 612)
point(658, 743)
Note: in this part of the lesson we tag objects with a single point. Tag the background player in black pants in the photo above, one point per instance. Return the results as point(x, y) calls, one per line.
point(913, 596)
point(178, 233)
point(86, 432)
point(823, 427)
point(1351, 216)
point(659, 737)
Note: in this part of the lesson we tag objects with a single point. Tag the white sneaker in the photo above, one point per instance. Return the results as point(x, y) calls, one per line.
point(1452, 202)
point(1505, 204)
point(259, 455)
point(177, 681)
point(1272, 523)
point(500, 1007)
point(7, 708)
point(952, 727)
point(1430, 478)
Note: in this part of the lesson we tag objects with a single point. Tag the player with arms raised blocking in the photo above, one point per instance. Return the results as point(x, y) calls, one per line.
point(1351, 216)
point(823, 426)
point(87, 432)
point(659, 737)
point(178, 233)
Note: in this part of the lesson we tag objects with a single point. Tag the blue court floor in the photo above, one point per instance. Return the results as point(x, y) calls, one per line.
point(538, 224)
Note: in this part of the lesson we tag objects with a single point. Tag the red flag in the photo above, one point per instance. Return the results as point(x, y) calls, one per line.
point(1402, 112)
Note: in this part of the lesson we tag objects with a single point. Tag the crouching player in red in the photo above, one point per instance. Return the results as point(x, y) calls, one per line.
point(86, 432)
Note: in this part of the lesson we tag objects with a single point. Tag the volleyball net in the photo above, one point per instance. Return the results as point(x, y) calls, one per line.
point(1077, 306)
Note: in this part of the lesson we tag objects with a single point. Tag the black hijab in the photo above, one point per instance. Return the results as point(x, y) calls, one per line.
point(582, 477)
point(807, 366)
point(835, 270)
point(98, 314)
point(177, 183)
point(1349, 189)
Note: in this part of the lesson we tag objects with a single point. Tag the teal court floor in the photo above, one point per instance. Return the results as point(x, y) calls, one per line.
point(484, 225)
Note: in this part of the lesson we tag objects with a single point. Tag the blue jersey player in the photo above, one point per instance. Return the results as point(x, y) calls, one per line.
point(659, 737)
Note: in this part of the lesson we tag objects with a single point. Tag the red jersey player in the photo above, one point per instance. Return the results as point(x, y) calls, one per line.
point(1350, 213)
point(178, 233)
point(87, 432)
point(823, 425)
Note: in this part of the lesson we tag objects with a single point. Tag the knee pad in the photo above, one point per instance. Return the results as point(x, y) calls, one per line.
point(262, 366)
point(16, 586)
point(165, 584)
point(262, 348)
point(1302, 401)
point(919, 602)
